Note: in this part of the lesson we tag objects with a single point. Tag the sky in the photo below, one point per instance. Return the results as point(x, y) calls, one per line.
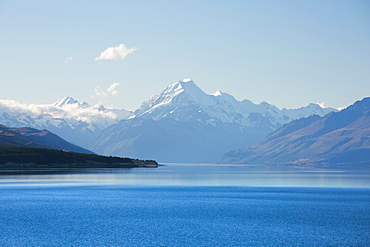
point(118, 53)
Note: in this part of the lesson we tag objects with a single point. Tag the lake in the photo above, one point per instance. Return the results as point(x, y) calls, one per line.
point(187, 205)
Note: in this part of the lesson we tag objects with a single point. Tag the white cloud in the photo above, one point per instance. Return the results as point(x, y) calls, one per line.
point(115, 53)
point(111, 90)
point(341, 108)
point(322, 104)
point(52, 114)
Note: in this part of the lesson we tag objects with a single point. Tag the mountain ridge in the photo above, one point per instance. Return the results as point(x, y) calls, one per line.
point(317, 141)
point(175, 100)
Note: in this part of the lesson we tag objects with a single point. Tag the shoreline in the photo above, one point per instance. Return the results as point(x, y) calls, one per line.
point(33, 168)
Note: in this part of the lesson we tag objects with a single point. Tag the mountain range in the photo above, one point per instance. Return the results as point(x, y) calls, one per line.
point(182, 124)
point(336, 139)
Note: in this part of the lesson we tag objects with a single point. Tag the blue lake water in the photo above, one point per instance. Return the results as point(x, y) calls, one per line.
point(187, 205)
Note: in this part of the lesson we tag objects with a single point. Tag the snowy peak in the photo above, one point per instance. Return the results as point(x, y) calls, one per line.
point(175, 97)
point(69, 101)
point(189, 86)
point(217, 93)
point(187, 80)
point(65, 101)
point(183, 86)
point(184, 100)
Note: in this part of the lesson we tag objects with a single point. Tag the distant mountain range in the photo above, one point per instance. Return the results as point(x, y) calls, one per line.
point(182, 124)
point(337, 139)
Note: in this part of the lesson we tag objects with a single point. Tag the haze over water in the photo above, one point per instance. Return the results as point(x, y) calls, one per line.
point(173, 174)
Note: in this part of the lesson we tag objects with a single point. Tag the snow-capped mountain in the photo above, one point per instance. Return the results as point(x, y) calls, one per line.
point(185, 101)
point(74, 121)
point(182, 124)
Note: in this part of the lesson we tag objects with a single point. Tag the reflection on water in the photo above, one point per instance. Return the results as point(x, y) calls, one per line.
point(201, 175)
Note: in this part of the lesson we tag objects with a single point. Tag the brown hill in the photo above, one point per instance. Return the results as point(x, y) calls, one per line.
point(29, 137)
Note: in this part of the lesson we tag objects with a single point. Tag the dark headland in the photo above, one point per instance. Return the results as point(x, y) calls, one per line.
point(24, 160)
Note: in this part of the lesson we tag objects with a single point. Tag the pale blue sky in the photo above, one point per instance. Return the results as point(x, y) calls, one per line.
point(288, 53)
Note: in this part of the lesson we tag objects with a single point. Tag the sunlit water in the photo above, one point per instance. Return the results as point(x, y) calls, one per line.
point(187, 205)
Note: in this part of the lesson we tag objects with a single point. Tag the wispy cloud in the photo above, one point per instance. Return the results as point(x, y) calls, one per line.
point(111, 90)
point(99, 92)
point(68, 59)
point(115, 53)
